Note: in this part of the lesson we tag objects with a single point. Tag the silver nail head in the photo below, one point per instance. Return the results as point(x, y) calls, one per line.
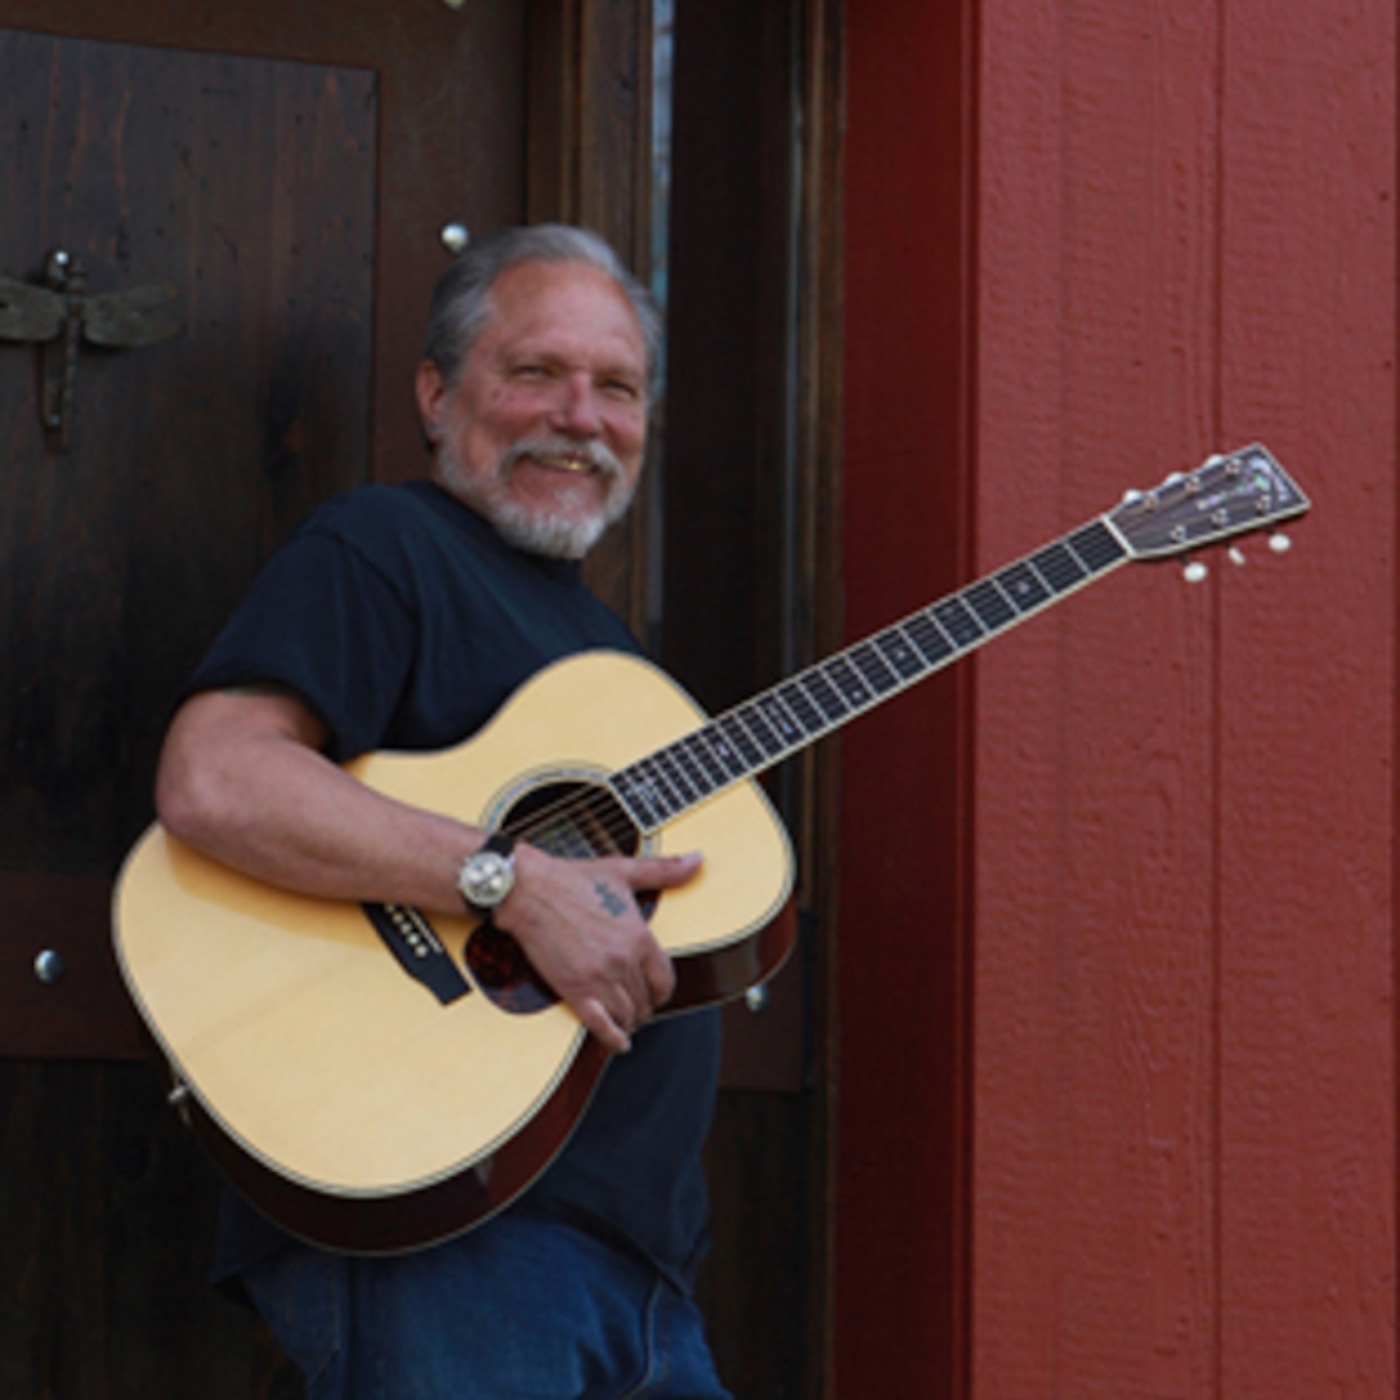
point(49, 966)
point(455, 237)
point(756, 998)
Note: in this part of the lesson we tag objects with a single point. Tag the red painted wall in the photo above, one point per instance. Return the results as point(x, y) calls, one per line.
point(903, 995)
point(1117, 1099)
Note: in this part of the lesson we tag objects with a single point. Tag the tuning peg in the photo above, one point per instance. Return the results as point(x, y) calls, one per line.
point(1195, 571)
point(1280, 543)
point(1236, 556)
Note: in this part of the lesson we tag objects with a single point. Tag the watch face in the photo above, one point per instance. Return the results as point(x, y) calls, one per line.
point(487, 879)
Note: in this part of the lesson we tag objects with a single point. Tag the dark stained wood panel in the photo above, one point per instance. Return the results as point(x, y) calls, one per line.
point(249, 186)
point(451, 124)
point(103, 1270)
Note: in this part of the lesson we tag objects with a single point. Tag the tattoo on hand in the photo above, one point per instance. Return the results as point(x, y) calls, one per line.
point(610, 900)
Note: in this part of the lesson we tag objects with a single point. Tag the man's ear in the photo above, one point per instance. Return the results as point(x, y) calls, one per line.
point(430, 388)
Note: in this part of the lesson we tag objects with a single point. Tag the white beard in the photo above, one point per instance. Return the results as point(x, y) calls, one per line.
point(556, 534)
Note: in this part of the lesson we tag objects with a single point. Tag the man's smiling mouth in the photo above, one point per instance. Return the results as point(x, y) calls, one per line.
point(562, 462)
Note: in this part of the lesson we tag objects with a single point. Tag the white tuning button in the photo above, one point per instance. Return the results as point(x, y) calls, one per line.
point(1236, 555)
point(1280, 543)
point(1195, 572)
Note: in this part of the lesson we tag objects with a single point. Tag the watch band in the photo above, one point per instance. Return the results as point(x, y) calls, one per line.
point(500, 843)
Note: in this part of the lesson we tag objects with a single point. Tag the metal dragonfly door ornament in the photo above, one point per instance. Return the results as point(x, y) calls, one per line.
point(58, 317)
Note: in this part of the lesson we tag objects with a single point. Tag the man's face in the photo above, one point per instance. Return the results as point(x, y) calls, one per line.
point(544, 429)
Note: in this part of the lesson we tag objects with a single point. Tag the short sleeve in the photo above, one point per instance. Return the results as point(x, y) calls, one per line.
point(321, 619)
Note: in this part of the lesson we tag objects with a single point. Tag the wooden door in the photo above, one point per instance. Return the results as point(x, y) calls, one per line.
point(286, 171)
point(138, 509)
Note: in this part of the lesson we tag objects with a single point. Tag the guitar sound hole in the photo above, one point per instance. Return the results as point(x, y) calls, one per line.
point(578, 821)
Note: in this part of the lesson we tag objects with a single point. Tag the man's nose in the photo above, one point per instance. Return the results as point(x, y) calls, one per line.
point(576, 410)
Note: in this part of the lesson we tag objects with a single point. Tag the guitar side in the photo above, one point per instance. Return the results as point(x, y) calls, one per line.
point(346, 1100)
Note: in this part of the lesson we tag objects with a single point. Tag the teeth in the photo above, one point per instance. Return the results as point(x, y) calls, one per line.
point(566, 464)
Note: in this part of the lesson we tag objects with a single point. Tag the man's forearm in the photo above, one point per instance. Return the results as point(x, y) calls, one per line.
point(241, 778)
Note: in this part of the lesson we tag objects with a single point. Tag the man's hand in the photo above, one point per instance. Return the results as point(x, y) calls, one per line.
point(578, 922)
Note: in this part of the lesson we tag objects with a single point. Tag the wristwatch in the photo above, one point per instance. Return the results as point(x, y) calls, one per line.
point(487, 877)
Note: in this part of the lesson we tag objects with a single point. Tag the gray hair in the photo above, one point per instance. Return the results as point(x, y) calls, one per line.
point(462, 305)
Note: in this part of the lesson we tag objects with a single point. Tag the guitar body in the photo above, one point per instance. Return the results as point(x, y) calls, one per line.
point(349, 1102)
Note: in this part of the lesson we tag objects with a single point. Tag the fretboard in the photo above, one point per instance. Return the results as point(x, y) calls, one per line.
point(772, 726)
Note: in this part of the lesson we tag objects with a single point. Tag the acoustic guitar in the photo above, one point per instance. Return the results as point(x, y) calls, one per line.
point(373, 1079)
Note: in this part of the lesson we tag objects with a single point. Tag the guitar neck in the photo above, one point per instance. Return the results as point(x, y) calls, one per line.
point(778, 723)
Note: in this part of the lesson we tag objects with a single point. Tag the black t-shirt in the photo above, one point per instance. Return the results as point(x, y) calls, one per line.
point(405, 621)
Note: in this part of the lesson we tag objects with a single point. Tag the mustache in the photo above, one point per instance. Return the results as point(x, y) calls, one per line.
point(598, 456)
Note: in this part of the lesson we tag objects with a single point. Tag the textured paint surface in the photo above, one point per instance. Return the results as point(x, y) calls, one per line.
point(1179, 918)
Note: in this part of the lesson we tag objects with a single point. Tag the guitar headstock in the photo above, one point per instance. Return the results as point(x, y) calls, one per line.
point(1225, 496)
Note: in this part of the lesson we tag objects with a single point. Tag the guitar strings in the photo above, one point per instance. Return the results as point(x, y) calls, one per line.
point(591, 813)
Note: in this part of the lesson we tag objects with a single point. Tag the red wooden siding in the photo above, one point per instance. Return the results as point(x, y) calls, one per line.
point(1147, 1147)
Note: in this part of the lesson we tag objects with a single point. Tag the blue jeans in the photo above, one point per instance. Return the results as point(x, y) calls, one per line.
point(516, 1308)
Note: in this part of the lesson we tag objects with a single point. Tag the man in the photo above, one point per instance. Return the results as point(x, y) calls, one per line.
point(402, 617)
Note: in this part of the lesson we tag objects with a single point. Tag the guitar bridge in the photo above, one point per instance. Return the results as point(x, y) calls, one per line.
point(418, 950)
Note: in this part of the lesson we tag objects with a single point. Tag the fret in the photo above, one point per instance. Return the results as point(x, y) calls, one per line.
point(804, 709)
point(874, 670)
point(824, 695)
point(991, 606)
point(931, 640)
point(739, 737)
point(701, 745)
point(686, 781)
point(848, 682)
point(669, 797)
point(1058, 567)
point(1000, 587)
point(762, 733)
point(900, 654)
point(1023, 586)
point(959, 622)
point(639, 796)
point(685, 762)
point(1096, 545)
point(725, 753)
point(780, 719)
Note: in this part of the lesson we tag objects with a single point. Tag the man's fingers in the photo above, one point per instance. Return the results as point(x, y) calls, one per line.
point(596, 1020)
point(660, 974)
point(664, 872)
